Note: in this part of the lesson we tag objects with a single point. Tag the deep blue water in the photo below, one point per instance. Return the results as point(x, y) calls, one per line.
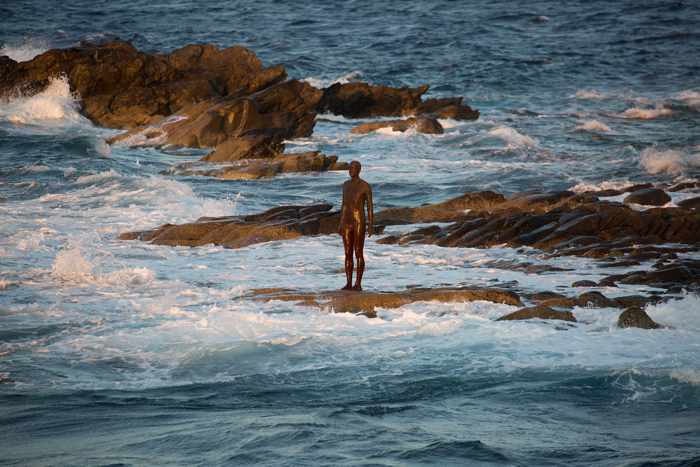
point(121, 353)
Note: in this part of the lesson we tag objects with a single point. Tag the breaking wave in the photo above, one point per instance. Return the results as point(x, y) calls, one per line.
point(24, 51)
point(669, 161)
point(54, 105)
point(593, 126)
point(324, 83)
point(513, 137)
point(637, 113)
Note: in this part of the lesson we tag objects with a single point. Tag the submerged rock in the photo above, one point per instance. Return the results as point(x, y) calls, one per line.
point(538, 312)
point(426, 125)
point(648, 197)
point(690, 203)
point(367, 302)
point(636, 317)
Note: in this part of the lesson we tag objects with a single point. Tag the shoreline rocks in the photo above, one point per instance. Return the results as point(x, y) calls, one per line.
point(365, 302)
point(200, 96)
point(426, 125)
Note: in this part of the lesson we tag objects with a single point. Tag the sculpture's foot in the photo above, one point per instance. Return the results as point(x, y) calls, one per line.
point(357, 288)
point(347, 287)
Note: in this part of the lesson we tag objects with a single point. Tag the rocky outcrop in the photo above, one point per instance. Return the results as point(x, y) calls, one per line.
point(362, 100)
point(287, 222)
point(636, 317)
point(421, 124)
point(648, 197)
point(565, 224)
point(446, 211)
point(253, 169)
point(121, 87)
point(282, 223)
point(677, 272)
point(367, 302)
point(538, 312)
point(218, 94)
point(690, 203)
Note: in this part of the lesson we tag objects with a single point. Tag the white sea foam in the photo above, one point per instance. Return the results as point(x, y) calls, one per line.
point(593, 126)
point(55, 104)
point(686, 375)
point(669, 161)
point(637, 113)
point(71, 265)
point(606, 185)
point(152, 135)
point(678, 314)
point(388, 131)
point(343, 79)
point(590, 94)
point(513, 137)
point(24, 51)
point(92, 178)
point(690, 98)
point(37, 168)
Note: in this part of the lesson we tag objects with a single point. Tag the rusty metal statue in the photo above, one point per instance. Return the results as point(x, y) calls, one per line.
point(356, 192)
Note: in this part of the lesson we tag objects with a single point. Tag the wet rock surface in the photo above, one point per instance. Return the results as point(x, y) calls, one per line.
point(367, 302)
point(201, 96)
point(282, 223)
point(253, 169)
point(636, 317)
point(121, 87)
point(539, 312)
point(425, 125)
point(648, 197)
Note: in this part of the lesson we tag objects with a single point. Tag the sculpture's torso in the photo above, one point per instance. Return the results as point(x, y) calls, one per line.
point(354, 196)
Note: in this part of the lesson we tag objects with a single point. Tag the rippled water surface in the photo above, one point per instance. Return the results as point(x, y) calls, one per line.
point(125, 353)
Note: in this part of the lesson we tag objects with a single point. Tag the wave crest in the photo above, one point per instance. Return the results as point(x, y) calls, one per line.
point(56, 103)
point(513, 137)
point(593, 126)
point(670, 161)
point(637, 113)
point(25, 51)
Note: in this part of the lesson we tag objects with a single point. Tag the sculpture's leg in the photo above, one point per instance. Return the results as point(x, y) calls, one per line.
point(359, 247)
point(348, 235)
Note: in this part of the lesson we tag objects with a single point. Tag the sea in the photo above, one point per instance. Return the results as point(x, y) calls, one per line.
point(123, 353)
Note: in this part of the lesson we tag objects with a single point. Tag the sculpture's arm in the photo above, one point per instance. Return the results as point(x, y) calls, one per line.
point(370, 212)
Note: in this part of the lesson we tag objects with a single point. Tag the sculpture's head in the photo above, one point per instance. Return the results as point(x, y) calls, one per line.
point(355, 168)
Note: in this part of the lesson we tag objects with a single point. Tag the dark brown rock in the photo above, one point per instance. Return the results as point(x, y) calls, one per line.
point(361, 100)
point(683, 186)
point(252, 169)
point(595, 300)
point(690, 203)
point(648, 197)
point(635, 317)
point(121, 87)
point(446, 211)
point(421, 124)
point(451, 107)
point(538, 312)
point(584, 283)
point(428, 125)
point(366, 302)
point(249, 146)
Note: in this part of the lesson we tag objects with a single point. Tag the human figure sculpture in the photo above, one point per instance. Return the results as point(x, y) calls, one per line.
point(356, 192)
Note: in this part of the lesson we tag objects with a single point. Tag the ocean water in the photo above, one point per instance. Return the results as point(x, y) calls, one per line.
point(125, 353)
